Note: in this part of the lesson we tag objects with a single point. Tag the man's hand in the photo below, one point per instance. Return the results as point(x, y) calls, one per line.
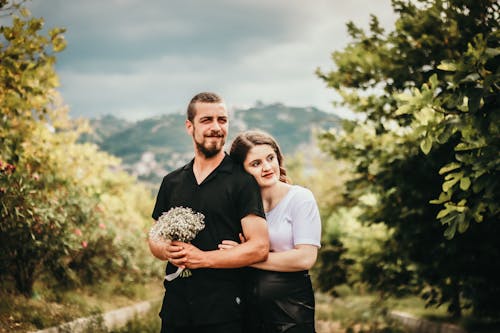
point(186, 255)
point(253, 248)
point(164, 250)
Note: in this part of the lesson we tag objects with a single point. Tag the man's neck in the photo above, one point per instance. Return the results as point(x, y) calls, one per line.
point(203, 166)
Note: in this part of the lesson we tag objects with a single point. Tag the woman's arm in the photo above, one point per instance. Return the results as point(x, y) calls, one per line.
point(301, 258)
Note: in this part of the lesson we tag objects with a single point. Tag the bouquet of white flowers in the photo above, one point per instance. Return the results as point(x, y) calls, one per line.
point(181, 224)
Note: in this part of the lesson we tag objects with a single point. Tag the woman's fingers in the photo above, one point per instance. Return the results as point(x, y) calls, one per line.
point(242, 238)
point(227, 244)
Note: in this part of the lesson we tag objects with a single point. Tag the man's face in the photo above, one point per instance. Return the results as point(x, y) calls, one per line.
point(209, 128)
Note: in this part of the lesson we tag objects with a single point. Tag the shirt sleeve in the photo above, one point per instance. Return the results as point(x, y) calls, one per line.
point(248, 201)
point(160, 200)
point(306, 221)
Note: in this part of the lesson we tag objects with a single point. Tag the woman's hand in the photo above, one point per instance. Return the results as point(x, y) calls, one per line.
point(229, 244)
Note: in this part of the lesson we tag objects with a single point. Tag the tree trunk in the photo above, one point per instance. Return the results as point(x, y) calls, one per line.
point(25, 277)
point(455, 307)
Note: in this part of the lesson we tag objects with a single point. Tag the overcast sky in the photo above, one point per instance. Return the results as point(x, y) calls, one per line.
point(136, 58)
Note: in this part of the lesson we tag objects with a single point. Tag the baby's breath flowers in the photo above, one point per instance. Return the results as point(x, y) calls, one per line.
point(181, 224)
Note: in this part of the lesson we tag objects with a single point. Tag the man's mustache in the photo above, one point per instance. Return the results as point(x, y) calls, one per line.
point(215, 135)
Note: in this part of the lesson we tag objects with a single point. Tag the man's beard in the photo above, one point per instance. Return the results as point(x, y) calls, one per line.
point(209, 152)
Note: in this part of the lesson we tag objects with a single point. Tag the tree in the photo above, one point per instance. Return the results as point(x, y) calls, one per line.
point(429, 95)
point(66, 209)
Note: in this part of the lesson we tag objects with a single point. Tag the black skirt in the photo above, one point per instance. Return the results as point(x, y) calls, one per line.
point(279, 302)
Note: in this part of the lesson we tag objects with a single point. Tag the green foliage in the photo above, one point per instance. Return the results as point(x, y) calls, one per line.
point(332, 267)
point(325, 179)
point(148, 323)
point(463, 105)
point(429, 95)
point(66, 209)
point(357, 313)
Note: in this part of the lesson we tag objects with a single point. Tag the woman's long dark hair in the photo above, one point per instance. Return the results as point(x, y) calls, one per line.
point(249, 139)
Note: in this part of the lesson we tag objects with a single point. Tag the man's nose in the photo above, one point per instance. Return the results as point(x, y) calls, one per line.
point(216, 126)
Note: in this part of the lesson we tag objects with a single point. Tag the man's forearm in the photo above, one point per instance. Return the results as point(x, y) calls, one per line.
point(239, 256)
point(242, 255)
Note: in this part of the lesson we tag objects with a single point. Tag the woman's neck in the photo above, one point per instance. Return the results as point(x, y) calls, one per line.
point(272, 195)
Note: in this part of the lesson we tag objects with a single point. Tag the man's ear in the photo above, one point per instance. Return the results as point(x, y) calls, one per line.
point(189, 127)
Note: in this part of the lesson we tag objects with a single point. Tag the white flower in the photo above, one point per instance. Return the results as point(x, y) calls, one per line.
point(179, 223)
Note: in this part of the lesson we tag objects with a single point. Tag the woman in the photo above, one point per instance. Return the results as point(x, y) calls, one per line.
point(281, 298)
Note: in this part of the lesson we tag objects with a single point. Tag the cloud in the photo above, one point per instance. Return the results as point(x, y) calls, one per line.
point(138, 58)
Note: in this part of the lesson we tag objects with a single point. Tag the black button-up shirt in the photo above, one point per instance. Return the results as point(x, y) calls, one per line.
point(226, 196)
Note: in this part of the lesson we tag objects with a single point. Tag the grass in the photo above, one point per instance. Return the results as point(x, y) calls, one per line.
point(350, 309)
point(358, 312)
point(148, 323)
point(48, 308)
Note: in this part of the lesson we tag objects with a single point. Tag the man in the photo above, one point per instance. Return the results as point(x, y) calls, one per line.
point(210, 300)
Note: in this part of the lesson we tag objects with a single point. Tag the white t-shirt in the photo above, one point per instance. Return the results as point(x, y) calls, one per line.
point(295, 220)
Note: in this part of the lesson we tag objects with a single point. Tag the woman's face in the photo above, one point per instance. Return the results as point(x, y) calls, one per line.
point(262, 163)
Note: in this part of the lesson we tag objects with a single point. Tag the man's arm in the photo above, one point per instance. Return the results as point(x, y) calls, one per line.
point(254, 250)
point(159, 248)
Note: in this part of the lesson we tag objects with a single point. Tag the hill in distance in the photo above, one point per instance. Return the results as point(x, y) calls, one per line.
point(152, 147)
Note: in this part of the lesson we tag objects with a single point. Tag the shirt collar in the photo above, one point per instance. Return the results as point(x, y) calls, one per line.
point(225, 166)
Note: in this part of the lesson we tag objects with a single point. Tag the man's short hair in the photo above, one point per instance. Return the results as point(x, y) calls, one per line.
point(204, 97)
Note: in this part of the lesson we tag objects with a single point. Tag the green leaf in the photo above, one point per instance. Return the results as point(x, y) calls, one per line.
point(463, 146)
point(447, 66)
point(426, 145)
point(25, 12)
point(443, 197)
point(425, 115)
point(465, 183)
point(447, 185)
point(492, 52)
point(443, 212)
point(478, 213)
point(449, 167)
point(404, 109)
point(404, 97)
point(58, 44)
point(463, 223)
point(473, 77)
point(478, 217)
point(433, 80)
point(449, 233)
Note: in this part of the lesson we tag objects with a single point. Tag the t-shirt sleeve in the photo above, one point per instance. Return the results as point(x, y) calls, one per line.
point(160, 201)
point(248, 201)
point(306, 221)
